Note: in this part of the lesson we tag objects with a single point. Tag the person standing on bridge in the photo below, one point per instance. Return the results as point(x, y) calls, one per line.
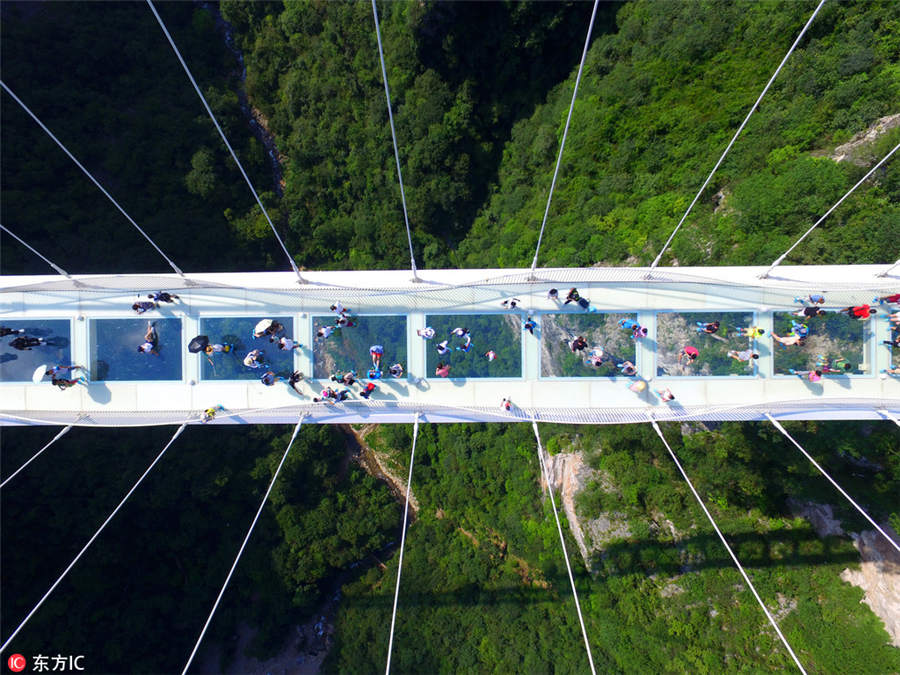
point(339, 309)
point(210, 414)
point(627, 368)
point(254, 359)
point(708, 328)
point(376, 352)
point(64, 383)
point(442, 348)
point(269, 378)
point(295, 378)
point(512, 303)
point(813, 299)
point(24, 343)
point(396, 370)
point(595, 357)
point(143, 306)
point(426, 333)
point(888, 299)
point(529, 325)
point(689, 353)
point(744, 356)
point(344, 322)
point(838, 366)
point(861, 312)
point(151, 340)
point(800, 329)
point(789, 340)
point(163, 296)
point(347, 378)
point(442, 370)
point(811, 375)
point(286, 344)
point(572, 296)
point(579, 344)
point(56, 370)
point(665, 394)
point(750, 332)
point(810, 312)
point(490, 355)
point(367, 390)
point(325, 331)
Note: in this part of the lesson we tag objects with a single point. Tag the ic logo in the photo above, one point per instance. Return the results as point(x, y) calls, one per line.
point(16, 663)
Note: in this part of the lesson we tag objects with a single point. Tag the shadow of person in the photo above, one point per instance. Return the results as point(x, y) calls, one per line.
point(396, 385)
point(99, 392)
point(6, 358)
point(57, 341)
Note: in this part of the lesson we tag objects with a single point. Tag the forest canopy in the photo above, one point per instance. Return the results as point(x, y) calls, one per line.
point(480, 94)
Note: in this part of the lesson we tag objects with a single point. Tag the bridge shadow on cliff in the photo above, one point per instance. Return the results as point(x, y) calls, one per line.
point(646, 557)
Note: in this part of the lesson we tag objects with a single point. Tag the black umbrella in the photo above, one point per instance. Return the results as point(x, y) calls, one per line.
point(198, 344)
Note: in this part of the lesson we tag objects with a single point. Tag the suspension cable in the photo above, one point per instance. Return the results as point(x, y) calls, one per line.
point(59, 269)
point(832, 481)
point(562, 541)
point(241, 550)
point(225, 140)
point(88, 174)
point(387, 93)
point(890, 416)
point(828, 212)
point(727, 547)
point(562, 145)
point(412, 455)
point(889, 269)
point(35, 456)
point(91, 540)
point(753, 109)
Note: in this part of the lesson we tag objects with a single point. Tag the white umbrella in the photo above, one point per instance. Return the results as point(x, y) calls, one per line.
point(262, 326)
point(39, 373)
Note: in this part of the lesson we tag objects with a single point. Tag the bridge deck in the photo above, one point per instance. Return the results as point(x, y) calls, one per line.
point(536, 389)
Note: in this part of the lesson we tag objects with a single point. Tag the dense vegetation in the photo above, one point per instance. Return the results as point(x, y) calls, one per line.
point(480, 93)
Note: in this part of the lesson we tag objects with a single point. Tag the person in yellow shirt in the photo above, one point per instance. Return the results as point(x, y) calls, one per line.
point(751, 332)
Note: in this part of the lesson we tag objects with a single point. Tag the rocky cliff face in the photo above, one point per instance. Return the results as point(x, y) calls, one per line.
point(879, 577)
point(568, 475)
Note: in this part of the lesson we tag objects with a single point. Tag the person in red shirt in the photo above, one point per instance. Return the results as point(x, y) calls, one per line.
point(860, 311)
point(890, 299)
point(689, 353)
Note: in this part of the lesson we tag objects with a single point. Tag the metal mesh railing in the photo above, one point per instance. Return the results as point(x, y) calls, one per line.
point(403, 412)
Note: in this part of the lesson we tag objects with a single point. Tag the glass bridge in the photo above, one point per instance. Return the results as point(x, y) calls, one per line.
point(615, 378)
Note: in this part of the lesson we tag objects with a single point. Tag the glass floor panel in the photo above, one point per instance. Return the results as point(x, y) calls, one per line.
point(114, 354)
point(600, 329)
point(19, 365)
point(832, 337)
point(500, 333)
point(238, 332)
point(348, 348)
point(677, 330)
